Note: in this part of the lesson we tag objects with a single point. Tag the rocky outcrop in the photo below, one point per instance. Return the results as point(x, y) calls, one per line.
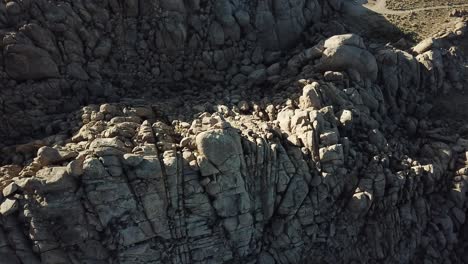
point(334, 173)
point(325, 153)
point(93, 52)
point(233, 187)
point(348, 53)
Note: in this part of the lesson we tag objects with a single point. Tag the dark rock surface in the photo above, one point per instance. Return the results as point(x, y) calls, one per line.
point(97, 51)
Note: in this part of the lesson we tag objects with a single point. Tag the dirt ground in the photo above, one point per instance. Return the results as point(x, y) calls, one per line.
point(421, 24)
point(413, 23)
point(409, 4)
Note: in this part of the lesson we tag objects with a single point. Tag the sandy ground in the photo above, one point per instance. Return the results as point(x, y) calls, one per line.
point(409, 4)
point(415, 22)
point(420, 25)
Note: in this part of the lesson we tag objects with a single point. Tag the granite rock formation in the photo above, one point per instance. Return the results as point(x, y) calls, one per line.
point(338, 161)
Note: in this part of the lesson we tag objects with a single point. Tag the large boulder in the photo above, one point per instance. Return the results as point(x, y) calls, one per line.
point(345, 39)
point(42, 38)
point(8, 207)
point(348, 53)
point(399, 75)
point(281, 23)
point(310, 96)
point(50, 180)
point(25, 62)
point(219, 147)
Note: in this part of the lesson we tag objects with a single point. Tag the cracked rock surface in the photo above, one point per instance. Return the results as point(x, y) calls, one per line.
point(327, 153)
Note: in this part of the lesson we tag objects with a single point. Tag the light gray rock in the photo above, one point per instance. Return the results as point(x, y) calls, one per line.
point(424, 46)
point(10, 189)
point(9, 206)
point(333, 76)
point(47, 155)
point(206, 167)
point(213, 145)
point(310, 97)
point(346, 39)
point(52, 179)
point(332, 153)
point(346, 118)
point(346, 52)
